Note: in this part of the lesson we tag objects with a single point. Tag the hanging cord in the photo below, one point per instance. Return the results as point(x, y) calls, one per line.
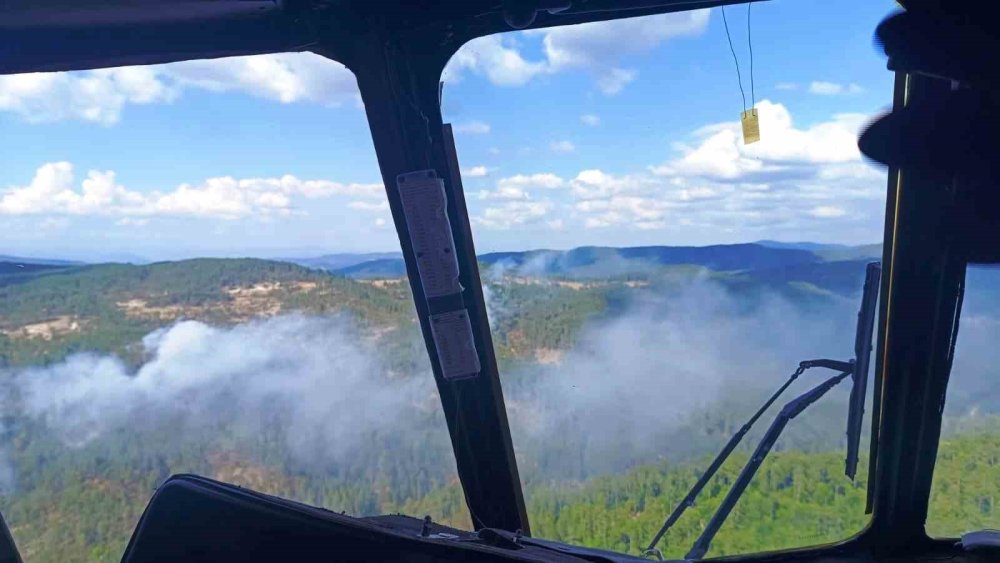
point(736, 60)
point(753, 97)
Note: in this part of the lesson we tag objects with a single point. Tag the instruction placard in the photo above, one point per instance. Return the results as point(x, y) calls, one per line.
point(425, 208)
point(456, 347)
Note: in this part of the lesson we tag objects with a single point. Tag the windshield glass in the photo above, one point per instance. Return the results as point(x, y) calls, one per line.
point(650, 279)
point(964, 492)
point(182, 290)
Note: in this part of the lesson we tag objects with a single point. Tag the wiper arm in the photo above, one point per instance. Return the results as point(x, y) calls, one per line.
point(790, 411)
point(734, 441)
point(858, 368)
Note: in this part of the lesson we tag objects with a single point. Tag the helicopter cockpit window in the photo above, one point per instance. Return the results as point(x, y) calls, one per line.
point(650, 279)
point(199, 274)
point(967, 471)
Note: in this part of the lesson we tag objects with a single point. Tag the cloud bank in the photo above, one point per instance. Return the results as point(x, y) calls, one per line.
point(599, 48)
point(793, 177)
point(54, 191)
point(101, 96)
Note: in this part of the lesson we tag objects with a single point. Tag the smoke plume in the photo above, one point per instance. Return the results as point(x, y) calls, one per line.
point(635, 378)
point(313, 377)
point(669, 372)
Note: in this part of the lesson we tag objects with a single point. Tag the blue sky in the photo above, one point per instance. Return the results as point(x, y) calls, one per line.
point(618, 133)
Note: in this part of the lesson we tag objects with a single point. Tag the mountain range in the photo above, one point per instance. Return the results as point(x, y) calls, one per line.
point(602, 262)
point(580, 262)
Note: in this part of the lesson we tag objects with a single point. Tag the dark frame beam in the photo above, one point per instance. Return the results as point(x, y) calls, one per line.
point(888, 238)
point(925, 278)
point(399, 86)
point(102, 46)
point(63, 42)
point(8, 550)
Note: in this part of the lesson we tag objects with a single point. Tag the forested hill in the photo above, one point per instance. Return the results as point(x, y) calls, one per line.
point(46, 314)
point(49, 313)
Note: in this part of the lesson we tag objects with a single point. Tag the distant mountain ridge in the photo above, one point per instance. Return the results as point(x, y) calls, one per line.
point(343, 260)
point(38, 261)
point(597, 261)
point(15, 268)
point(602, 261)
point(581, 262)
point(801, 245)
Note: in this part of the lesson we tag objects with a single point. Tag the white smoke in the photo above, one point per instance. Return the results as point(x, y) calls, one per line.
point(329, 390)
point(634, 377)
point(637, 376)
point(496, 309)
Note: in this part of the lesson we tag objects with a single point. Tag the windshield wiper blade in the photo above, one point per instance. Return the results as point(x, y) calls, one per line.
point(792, 409)
point(862, 356)
point(734, 441)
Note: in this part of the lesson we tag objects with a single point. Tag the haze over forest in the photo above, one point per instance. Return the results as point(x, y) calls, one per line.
point(622, 368)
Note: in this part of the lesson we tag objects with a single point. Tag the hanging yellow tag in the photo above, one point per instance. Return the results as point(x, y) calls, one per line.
point(751, 126)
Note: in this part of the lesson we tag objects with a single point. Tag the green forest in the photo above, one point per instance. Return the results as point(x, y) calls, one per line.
point(76, 496)
point(796, 500)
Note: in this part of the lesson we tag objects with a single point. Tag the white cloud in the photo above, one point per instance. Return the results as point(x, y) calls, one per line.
point(614, 80)
point(799, 181)
point(794, 175)
point(641, 212)
point(504, 192)
point(598, 47)
point(786, 86)
point(476, 172)
point(834, 89)
point(562, 146)
point(544, 180)
point(516, 187)
point(595, 184)
point(313, 189)
point(721, 154)
point(590, 119)
point(473, 128)
point(827, 211)
point(512, 214)
point(284, 77)
point(53, 190)
point(96, 96)
point(497, 58)
point(224, 197)
point(602, 47)
point(100, 96)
